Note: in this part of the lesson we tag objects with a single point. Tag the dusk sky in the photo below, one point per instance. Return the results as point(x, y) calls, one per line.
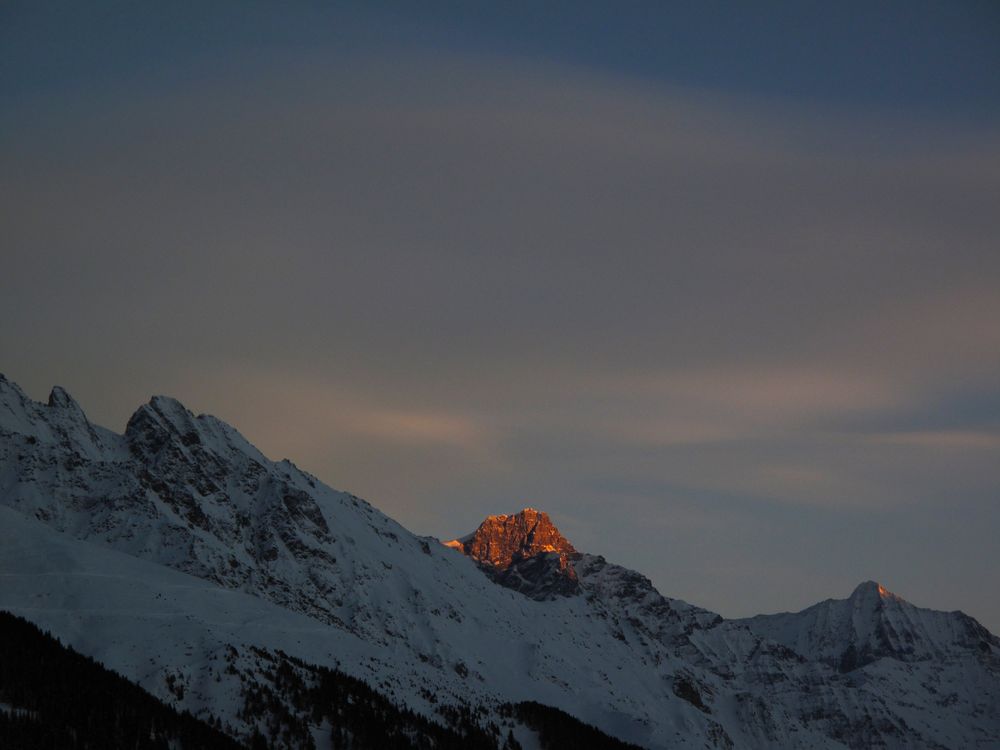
point(716, 285)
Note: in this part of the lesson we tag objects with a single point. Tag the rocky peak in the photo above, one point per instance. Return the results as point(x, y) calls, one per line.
point(873, 591)
point(59, 398)
point(523, 551)
point(162, 414)
point(60, 422)
point(501, 540)
point(164, 428)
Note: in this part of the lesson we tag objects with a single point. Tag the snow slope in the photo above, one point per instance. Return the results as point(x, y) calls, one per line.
point(158, 550)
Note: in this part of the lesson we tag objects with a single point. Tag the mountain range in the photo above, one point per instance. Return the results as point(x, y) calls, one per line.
point(231, 586)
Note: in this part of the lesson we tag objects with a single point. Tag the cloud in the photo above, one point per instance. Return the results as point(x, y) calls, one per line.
point(319, 411)
point(948, 335)
point(418, 427)
point(941, 439)
point(740, 402)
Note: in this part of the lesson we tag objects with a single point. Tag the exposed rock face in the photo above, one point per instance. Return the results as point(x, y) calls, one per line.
point(523, 551)
point(501, 539)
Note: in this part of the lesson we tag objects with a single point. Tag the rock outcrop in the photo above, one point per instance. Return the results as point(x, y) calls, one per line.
point(523, 551)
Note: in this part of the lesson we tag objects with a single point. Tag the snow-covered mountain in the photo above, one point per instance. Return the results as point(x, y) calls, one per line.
point(177, 554)
point(874, 623)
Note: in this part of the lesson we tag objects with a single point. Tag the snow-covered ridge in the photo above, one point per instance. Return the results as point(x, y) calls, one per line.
point(190, 496)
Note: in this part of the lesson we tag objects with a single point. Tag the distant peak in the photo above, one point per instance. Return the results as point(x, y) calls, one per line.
point(166, 408)
point(872, 589)
point(162, 416)
point(523, 551)
point(166, 404)
point(502, 539)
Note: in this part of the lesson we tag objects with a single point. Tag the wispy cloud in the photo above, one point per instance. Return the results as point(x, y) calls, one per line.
point(417, 427)
point(941, 439)
point(737, 400)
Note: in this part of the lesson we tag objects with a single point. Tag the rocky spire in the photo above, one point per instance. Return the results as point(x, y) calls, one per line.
point(499, 540)
point(523, 551)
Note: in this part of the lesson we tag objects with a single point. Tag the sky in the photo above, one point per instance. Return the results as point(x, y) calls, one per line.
point(717, 285)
